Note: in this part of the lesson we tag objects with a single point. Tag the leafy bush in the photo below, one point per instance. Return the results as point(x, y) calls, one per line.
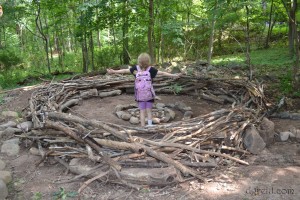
point(9, 79)
point(107, 56)
point(9, 58)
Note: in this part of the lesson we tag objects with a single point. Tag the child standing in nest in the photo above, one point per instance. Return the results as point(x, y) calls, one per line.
point(144, 93)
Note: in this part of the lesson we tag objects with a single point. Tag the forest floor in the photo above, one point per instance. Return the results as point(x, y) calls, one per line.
point(272, 174)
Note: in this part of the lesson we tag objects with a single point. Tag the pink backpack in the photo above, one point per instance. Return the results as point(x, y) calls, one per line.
point(143, 85)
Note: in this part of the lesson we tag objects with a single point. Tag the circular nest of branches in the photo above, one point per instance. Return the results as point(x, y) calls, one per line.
point(175, 152)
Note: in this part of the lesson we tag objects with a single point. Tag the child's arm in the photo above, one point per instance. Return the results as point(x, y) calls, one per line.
point(120, 71)
point(169, 74)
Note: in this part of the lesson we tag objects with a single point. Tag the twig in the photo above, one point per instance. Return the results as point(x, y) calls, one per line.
point(86, 183)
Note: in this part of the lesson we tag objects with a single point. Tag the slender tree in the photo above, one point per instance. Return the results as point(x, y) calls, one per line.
point(270, 24)
point(45, 37)
point(151, 44)
point(125, 30)
point(211, 37)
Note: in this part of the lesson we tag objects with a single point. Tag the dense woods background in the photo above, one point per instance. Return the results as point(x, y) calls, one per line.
point(44, 37)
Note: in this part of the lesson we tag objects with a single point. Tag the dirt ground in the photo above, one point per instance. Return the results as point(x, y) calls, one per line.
point(273, 174)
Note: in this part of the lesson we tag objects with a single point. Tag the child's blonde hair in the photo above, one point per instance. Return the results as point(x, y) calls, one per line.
point(144, 60)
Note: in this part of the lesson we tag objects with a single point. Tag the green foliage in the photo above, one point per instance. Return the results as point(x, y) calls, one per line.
point(9, 58)
point(273, 61)
point(62, 194)
point(264, 60)
point(9, 79)
point(229, 60)
point(279, 33)
point(71, 62)
point(286, 84)
point(37, 196)
point(176, 88)
point(107, 56)
point(1, 98)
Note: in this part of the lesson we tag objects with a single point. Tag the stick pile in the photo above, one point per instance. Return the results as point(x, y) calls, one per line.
point(190, 147)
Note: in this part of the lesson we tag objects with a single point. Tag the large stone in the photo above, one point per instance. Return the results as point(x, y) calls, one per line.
point(25, 126)
point(9, 132)
point(5, 176)
point(11, 147)
point(10, 114)
point(170, 112)
point(134, 120)
point(3, 190)
point(266, 131)
point(155, 120)
point(160, 105)
point(187, 115)
point(8, 124)
point(34, 151)
point(182, 107)
point(123, 115)
point(295, 133)
point(166, 118)
point(2, 164)
point(253, 141)
point(284, 136)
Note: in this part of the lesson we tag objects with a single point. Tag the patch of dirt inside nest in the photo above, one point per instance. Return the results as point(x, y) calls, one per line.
point(103, 109)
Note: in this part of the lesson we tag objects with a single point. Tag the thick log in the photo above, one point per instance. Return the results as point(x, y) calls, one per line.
point(94, 123)
point(68, 104)
point(140, 176)
point(212, 98)
point(110, 93)
point(89, 93)
point(119, 145)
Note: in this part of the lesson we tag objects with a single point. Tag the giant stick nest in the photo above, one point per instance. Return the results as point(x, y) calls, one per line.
point(169, 152)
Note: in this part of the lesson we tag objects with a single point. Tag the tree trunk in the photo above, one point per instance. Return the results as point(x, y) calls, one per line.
point(70, 41)
point(211, 38)
point(98, 31)
point(58, 49)
point(92, 51)
point(126, 58)
point(45, 37)
point(150, 31)
point(291, 14)
point(297, 45)
point(248, 46)
point(63, 47)
point(270, 25)
point(99, 39)
point(84, 54)
point(162, 47)
point(1, 38)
